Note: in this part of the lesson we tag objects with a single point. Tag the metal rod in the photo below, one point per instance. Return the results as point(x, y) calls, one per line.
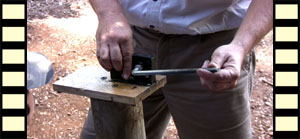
point(137, 72)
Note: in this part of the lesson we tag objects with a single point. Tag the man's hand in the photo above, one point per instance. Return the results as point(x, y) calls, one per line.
point(229, 59)
point(114, 44)
point(114, 37)
point(257, 23)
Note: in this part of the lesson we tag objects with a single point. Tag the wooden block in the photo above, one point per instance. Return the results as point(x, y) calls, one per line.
point(94, 82)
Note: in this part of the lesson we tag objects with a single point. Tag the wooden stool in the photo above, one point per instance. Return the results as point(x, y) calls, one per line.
point(117, 107)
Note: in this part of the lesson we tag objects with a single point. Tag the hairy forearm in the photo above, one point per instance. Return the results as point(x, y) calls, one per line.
point(107, 8)
point(256, 24)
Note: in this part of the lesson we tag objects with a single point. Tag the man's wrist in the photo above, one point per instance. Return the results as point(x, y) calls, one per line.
point(108, 13)
point(111, 16)
point(106, 9)
point(240, 47)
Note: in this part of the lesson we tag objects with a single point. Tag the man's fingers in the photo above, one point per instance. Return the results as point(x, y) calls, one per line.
point(127, 51)
point(201, 72)
point(223, 75)
point(116, 56)
point(113, 39)
point(206, 75)
point(222, 80)
point(104, 56)
point(205, 64)
point(217, 60)
point(127, 66)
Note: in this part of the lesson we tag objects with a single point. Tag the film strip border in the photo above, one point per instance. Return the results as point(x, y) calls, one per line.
point(286, 69)
point(13, 27)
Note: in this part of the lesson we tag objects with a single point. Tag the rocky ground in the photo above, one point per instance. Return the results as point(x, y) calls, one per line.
point(64, 31)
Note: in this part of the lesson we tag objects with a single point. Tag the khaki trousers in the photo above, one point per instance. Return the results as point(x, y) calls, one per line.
point(197, 112)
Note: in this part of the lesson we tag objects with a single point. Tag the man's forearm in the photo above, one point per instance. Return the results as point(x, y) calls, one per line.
point(257, 23)
point(107, 8)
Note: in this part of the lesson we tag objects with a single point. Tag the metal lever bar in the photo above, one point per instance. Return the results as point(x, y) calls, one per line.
point(137, 71)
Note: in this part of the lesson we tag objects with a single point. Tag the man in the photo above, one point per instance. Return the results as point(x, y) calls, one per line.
point(39, 73)
point(187, 34)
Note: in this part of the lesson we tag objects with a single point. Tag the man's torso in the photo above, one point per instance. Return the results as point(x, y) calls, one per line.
point(185, 16)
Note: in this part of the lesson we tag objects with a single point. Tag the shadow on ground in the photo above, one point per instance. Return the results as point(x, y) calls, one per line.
point(41, 9)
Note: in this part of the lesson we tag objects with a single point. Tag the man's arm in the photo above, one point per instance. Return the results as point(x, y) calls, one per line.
point(256, 24)
point(114, 36)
